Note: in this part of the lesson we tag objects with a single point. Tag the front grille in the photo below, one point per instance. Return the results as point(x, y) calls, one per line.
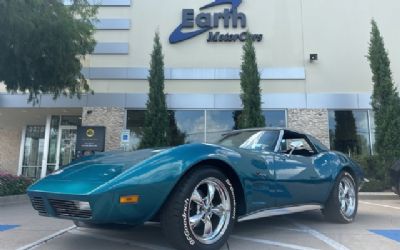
point(64, 208)
point(38, 205)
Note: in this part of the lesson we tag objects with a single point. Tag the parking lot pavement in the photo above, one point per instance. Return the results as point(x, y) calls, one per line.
point(377, 227)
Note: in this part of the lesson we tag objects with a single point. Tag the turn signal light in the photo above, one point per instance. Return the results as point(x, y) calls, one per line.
point(130, 199)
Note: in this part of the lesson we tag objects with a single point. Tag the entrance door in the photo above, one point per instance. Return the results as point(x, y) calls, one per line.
point(66, 145)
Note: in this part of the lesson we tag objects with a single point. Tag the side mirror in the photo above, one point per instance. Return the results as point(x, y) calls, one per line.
point(295, 145)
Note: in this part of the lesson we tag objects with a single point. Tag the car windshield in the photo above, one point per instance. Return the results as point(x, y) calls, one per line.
point(257, 140)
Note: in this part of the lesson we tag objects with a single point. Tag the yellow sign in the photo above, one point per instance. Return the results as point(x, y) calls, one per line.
point(90, 132)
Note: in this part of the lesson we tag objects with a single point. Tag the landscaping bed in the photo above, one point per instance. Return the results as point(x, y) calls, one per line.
point(13, 185)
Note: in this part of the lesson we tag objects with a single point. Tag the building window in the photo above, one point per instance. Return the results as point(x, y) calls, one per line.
point(222, 121)
point(54, 125)
point(135, 123)
point(196, 126)
point(350, 132)
point(187, 126)
point(191, 123)
point(275, 118)
point(33, 151)
point(70, 120)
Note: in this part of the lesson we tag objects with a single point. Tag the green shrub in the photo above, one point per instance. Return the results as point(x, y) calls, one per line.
point(13, 185)
point(376, 171)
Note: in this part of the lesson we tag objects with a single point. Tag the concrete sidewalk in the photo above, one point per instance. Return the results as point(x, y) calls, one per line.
point(378, 196)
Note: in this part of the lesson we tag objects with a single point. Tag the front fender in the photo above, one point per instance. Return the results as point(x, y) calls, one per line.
point(154, 179)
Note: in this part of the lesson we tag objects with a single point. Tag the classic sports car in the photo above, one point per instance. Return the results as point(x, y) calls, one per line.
point(199, 191)
point(395, 177)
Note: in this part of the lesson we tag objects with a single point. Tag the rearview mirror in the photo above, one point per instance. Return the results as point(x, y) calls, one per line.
point(295, 145)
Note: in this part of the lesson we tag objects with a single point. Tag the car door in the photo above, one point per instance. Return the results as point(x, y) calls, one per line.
point(301, 179)
point(259, 176)
point(257, 168)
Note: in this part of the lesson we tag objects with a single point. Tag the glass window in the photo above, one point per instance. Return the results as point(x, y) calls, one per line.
point(317, 144)
point(33, 151)
point(55, 121)
point(186, 126)
point(349, 131)
point(34, 144)
point(32, 172)
point(135, 123)
point(220, 122)
point(275, 118)
point(191, 123)
point(71, 121)
point(254, 140)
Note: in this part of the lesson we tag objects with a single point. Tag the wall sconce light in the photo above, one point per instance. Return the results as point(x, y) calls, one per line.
point(89, 112)
point(313, 57)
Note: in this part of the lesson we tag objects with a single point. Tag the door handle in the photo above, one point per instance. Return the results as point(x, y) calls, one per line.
point(260, 174)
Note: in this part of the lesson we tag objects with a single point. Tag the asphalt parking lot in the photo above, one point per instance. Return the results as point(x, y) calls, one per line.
point(377, 227)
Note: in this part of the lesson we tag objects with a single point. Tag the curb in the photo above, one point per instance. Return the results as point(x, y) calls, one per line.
point(13, 200)
point(378, 196)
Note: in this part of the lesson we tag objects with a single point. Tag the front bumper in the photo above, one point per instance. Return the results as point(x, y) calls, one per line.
point(105, 208)
point(70, 206)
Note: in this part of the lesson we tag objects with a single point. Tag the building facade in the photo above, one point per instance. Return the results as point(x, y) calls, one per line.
point(311, 56)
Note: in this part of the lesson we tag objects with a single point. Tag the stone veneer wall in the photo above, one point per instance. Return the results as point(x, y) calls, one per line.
point(111, 118)
point(10, 140)
point(311, 121)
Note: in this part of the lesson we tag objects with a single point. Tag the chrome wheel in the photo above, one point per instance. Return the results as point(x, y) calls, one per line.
point(347, 197)
point(209, 210)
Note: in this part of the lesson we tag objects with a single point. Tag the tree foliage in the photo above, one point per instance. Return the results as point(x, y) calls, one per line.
point(251, 115)
point(156, 131)
point(385, 98)
point(42, 43)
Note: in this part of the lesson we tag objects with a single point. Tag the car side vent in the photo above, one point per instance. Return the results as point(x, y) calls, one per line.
point(38, 205)
point(69, 209)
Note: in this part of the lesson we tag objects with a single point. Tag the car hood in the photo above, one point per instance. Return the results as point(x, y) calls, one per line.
point(104, 166)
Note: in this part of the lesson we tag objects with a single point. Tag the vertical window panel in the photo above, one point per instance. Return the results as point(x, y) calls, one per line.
point(349, 132)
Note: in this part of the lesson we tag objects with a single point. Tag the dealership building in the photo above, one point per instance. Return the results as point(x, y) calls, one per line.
point(311, 54)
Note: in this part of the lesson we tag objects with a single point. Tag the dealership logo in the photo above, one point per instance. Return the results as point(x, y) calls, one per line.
point(205, 21)
point(90, 132)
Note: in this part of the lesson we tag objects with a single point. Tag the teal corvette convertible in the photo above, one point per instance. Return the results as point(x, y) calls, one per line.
point(199, 191)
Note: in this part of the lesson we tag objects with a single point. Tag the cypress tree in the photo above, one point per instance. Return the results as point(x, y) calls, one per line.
point(251, 115)
point(156, 117)
point(385, 98)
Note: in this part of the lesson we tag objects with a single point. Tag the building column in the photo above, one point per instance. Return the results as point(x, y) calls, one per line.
point(311, 121)
point(111, 118)
point(46, 146)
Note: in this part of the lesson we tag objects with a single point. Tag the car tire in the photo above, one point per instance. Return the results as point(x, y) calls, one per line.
point(342, 204)
point(201, 211)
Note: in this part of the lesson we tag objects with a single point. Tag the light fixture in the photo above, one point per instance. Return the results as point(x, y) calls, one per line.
point(83, 205)
point(313, 57)
point(130, 199)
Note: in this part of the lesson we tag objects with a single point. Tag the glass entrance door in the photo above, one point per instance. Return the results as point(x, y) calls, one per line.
point(67, 144)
